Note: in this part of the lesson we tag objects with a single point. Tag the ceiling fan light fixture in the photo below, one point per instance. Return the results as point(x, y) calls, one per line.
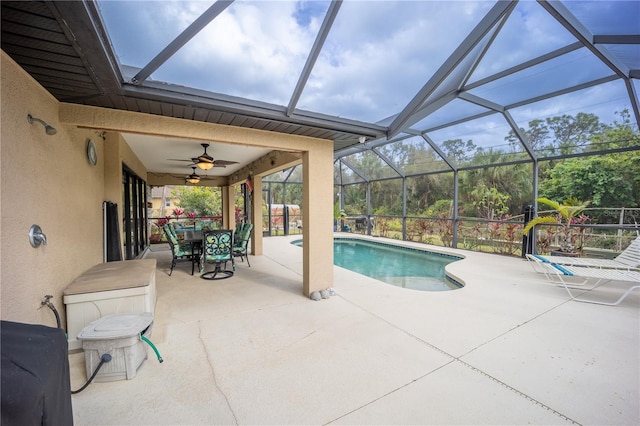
point(204, 165)
point(205, 161)
point(193, 177)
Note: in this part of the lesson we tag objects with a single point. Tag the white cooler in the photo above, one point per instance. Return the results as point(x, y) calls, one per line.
point(118, 336)
point(106, 289)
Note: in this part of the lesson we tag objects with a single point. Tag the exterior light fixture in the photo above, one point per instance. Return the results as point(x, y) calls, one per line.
point(205, 161)
point(362, 139)
point(193, 177)
point(50, 130)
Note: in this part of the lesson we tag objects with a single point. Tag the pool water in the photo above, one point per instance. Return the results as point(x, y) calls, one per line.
point(399, 266)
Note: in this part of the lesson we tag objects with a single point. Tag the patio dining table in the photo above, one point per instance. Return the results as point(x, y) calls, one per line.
point(195, 239)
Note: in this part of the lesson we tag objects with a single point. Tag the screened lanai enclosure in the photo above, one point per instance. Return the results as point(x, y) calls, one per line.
point(501, 123)
point(448, 119)
point(455, 193)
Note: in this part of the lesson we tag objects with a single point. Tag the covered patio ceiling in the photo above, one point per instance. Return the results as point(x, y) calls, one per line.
point(350, 72)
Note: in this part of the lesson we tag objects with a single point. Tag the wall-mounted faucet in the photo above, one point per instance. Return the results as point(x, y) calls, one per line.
point(36, 237)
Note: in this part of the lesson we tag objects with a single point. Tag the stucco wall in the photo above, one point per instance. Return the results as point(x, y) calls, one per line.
point(45, 180)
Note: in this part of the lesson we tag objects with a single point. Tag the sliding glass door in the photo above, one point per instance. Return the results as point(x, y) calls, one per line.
point(134, 211)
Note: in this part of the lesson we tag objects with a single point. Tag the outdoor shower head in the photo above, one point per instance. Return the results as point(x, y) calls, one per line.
point(50, 130)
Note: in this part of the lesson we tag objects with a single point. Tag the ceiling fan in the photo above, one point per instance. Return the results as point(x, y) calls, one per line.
point(206, 162)
point(194, 178)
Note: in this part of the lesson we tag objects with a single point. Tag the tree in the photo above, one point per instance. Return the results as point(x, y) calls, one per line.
point(620, 134)
point(603, 179)
point(562, 134)
point(386, 197)
point(535, 135)
point(489, 202)
point(286, 186)
point(611, 180)
point(203, 200)
point(573, 133)
point(355, 199)
point(515, 179)
point(459, 151)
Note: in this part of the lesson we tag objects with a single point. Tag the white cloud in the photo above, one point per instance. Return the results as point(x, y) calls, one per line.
point(378, 55)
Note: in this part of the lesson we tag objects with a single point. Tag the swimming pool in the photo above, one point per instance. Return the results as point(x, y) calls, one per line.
point(400, 266)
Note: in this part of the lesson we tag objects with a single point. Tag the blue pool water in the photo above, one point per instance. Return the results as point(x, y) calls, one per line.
point(399, 266)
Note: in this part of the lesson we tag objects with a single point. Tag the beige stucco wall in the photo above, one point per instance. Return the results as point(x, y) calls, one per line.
point(45, 180)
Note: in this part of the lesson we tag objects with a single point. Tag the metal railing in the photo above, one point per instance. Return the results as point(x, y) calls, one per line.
point(621, 225)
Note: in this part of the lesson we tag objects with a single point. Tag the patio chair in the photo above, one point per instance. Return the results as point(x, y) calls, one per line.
point(241, 241)
point(590, 278)
point(217, 249)
point(629, 259)
point(179, 251)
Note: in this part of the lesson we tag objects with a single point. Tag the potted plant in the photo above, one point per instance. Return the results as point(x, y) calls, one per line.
point(191, 219)
point(156, 235)
point(567, 213)
point(157, 231)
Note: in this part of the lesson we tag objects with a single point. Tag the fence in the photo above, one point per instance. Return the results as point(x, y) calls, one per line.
point(608, 232)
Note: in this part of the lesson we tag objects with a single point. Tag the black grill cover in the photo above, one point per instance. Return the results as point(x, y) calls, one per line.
point(36, 388)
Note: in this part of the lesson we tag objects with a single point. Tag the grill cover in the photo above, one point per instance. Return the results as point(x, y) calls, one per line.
point(36, 387)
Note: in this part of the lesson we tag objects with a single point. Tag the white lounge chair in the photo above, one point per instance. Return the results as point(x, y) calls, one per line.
point(591, 278)
point(629, 259)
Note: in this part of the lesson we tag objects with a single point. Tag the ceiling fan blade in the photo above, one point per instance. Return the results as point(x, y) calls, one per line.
point(223, 163)
point(193, 160)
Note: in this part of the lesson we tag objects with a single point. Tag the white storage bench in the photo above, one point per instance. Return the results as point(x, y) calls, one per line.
point(109, 288)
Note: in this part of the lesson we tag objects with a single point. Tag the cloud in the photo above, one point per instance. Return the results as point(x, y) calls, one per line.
point(377, 56)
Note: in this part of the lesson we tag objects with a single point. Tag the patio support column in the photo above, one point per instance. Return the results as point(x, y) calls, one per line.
point(317, 218)
point(256, 216)
point(228, 206)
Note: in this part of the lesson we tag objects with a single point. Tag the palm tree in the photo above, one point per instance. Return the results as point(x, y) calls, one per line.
point(565, 213)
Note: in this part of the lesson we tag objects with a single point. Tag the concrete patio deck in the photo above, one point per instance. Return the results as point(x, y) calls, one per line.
point(508, 348)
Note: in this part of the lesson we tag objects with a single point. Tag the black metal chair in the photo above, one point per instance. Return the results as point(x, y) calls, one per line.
point(217, 249)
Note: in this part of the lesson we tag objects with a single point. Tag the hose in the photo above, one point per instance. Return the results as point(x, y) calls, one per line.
point(46, 302)
point(152, 347)
point(107, 358)
point(104, 358)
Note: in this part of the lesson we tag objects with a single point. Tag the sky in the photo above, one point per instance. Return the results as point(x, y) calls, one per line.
point(377, 56)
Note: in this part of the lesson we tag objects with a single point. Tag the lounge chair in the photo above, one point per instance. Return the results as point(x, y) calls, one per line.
point(629, 259)
point(591, 278)
point(241, 241)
